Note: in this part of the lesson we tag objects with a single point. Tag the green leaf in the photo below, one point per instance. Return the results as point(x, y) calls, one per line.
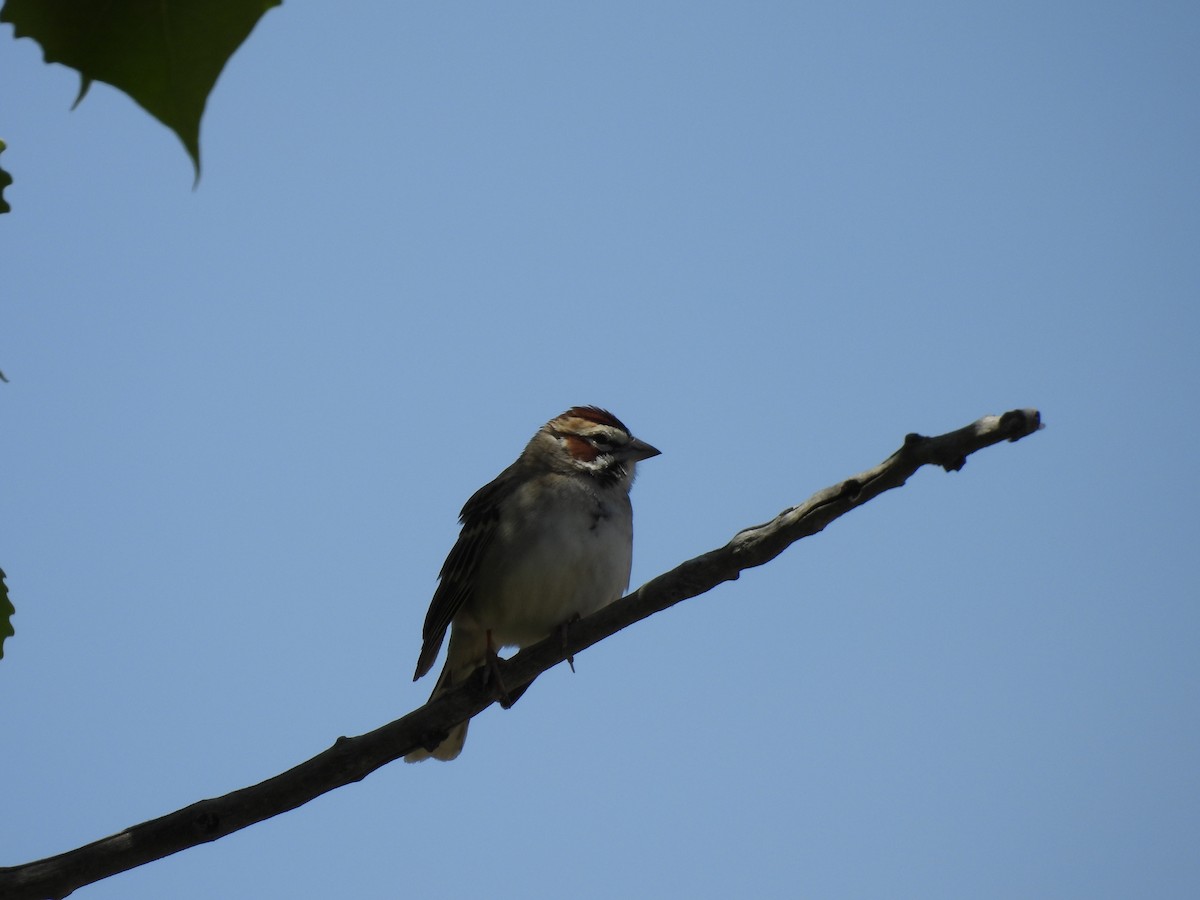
point(6, 614)
point(165, 54)
point(5, 181)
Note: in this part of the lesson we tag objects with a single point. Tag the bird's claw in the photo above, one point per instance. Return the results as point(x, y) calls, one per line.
point(563, 630)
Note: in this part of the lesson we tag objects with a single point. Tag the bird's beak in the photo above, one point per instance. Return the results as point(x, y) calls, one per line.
point(638, 450)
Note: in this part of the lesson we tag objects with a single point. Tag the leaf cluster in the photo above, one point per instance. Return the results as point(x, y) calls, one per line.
point(165, 54)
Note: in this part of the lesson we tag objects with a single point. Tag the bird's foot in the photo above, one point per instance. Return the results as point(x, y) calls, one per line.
point(563, 631)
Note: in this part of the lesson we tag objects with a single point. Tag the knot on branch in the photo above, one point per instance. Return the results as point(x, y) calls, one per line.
point(851, 489)
point(206, 822)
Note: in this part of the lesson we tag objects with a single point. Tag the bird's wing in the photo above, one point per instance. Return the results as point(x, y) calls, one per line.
point(480, 518)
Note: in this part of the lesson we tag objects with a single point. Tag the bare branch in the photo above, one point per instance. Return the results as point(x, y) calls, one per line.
point(352, 759)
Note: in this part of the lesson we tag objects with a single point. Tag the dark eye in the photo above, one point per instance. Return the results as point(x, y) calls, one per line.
point(601, 441)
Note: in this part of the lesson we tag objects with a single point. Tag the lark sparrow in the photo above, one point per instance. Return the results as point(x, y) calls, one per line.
point(550, 540)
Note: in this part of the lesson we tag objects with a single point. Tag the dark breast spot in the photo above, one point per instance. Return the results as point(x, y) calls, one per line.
point(599, 514)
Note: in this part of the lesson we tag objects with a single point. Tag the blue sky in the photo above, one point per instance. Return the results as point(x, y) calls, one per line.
point(773, 238)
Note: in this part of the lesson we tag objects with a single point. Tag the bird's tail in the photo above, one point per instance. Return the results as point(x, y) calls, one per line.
point(452, 745)
point(462, 658)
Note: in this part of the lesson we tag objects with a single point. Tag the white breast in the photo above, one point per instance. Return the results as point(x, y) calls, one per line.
point(557, 554)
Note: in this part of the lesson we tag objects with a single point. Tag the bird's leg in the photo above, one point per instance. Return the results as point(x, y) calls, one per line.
point(563, 631)
point(493, 674)
point(505, 697)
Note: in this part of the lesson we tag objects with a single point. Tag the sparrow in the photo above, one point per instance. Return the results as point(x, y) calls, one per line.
point(550, 540)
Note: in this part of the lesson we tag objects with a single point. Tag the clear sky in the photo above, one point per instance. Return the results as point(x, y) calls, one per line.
point(771, 237)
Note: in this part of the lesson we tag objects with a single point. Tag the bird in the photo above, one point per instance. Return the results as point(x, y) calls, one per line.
point(548, 541)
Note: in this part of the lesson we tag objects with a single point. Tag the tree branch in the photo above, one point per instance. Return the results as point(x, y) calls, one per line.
point(352, 759)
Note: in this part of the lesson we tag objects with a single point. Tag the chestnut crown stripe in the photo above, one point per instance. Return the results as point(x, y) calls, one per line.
point(595, 415)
